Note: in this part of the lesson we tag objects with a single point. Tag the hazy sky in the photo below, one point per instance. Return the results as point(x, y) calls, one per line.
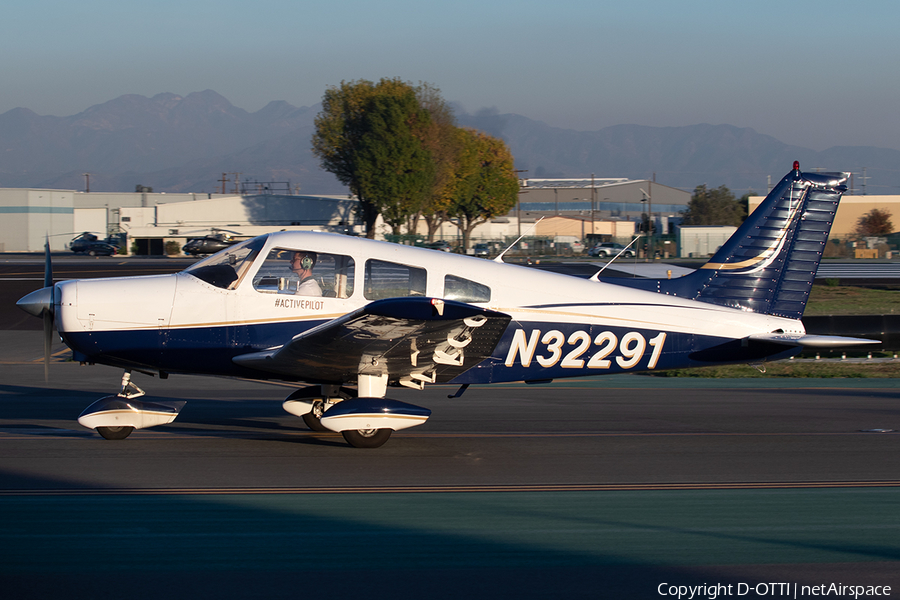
point(812, 73)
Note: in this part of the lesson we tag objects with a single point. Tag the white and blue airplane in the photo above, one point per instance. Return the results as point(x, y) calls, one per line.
point(356, 317)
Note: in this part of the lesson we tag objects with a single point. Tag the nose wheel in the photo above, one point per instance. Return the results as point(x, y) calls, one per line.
point(115, 417)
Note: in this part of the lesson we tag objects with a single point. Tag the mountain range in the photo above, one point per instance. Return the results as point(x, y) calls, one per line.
point(185, 143)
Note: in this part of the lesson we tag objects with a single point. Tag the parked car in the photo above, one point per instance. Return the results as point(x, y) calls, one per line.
point(609, 250)
point(87, 243)
point(442, 245)
point(483, 250)
point(209, 244)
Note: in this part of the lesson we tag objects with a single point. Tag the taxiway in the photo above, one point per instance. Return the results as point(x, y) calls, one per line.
point(603, 487)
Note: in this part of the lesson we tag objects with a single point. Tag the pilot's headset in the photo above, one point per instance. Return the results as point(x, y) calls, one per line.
point(307, 263)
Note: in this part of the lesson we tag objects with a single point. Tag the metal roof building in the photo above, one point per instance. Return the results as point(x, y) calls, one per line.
point(602, 200)
point(31, 214)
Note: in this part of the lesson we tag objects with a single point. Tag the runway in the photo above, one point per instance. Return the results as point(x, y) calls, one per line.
point(591, 488)
point(606, 487)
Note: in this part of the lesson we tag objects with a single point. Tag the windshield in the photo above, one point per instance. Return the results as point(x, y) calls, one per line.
point(227, 268)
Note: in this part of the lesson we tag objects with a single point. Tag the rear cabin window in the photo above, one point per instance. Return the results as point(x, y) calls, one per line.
point(305, 273)
point(465, 290)
point(393, 280)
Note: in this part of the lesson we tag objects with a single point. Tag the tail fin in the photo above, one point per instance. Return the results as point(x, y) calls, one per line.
point(769, 264)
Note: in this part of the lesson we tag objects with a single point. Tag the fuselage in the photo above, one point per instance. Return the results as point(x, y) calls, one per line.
point(247, 299)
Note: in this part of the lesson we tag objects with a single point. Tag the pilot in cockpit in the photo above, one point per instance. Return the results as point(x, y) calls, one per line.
point(302, 264)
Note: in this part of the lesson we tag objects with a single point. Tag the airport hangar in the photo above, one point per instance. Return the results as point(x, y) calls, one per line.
point(153, 219)
point(157, 218)
point(610, 207)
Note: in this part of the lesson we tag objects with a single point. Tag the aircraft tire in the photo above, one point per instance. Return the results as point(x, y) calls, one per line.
point(115, 433)
point(367, 438)
point(313, 419)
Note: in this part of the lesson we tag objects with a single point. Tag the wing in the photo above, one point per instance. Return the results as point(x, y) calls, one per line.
point(413, 340)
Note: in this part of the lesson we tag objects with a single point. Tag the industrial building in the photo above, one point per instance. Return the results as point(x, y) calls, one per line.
point(850, 210)
point(604, 200)
point(584, 209)
point(152, 219)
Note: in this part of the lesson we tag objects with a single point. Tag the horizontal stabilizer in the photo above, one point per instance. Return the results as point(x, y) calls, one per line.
point(812, 341)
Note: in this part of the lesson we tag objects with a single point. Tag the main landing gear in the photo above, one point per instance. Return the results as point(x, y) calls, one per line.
point(311, 403)
point(364, 420)
point(367, 438)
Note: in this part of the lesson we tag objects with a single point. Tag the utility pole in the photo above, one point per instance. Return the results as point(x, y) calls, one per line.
point(650, 224)
point(649, 200)
point(519, 203)
point(593, 194)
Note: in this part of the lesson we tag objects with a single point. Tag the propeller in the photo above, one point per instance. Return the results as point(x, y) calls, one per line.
point(48, 314)
point(40, 304)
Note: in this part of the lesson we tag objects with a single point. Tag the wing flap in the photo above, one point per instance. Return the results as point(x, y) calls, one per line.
point(414, 340)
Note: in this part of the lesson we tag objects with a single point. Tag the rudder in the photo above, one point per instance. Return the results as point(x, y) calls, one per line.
point(769, 264)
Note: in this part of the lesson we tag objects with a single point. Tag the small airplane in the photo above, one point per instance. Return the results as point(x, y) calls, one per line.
point(355, 317)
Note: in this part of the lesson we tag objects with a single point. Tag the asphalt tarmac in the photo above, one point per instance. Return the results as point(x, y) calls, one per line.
point(620, 487)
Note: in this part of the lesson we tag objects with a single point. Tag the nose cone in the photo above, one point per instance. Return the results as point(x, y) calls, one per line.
point(38, 302)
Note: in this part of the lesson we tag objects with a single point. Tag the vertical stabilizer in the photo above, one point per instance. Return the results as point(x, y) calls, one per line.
point(769, 264)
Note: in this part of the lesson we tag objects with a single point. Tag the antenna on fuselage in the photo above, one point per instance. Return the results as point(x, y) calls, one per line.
point(596, 276)
point(499, 258)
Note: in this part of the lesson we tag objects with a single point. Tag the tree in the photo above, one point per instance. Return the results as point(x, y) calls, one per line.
point(875, 223)
point(485, 181)
point(713, 207)
point(371, 137)
point(443, 141)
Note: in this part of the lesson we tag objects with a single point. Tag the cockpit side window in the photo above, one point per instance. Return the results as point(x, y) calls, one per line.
point(465, 290)
point(227, 268)
point(305, 273)
point(393, 280)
